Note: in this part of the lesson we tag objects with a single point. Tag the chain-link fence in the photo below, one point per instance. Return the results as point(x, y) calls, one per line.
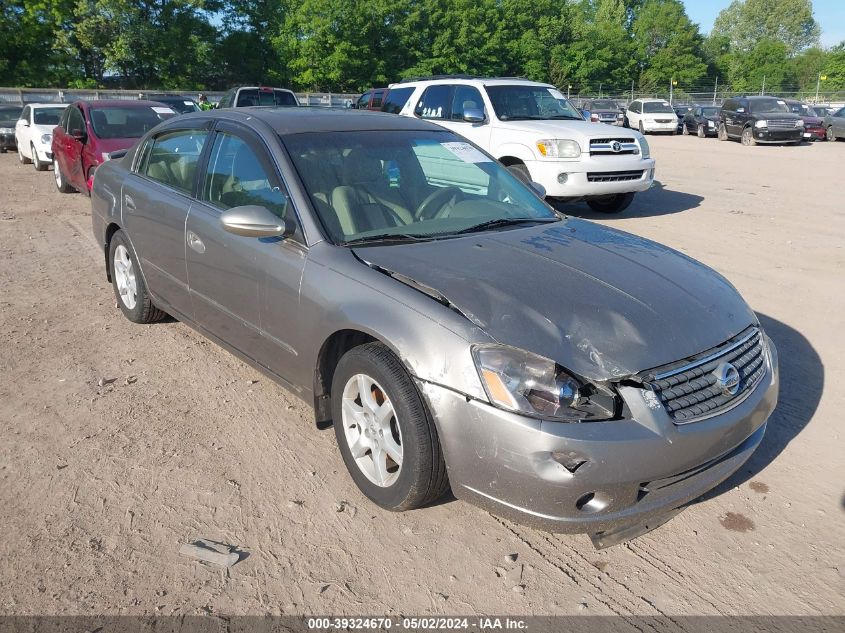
point(57, 95)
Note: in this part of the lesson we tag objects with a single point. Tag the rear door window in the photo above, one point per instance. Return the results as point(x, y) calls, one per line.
point(265, 97)
point(434, 103)
point(75, 120)
point(172, 158)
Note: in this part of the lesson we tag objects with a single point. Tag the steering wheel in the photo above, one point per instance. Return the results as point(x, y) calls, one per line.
point(435, 202)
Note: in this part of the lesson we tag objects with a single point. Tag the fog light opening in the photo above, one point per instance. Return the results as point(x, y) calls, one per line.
point(590, 502)
point(562, 178)
point(569, 461)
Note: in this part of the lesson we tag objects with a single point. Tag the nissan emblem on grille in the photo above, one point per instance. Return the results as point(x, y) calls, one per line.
point(616, 146)
point(727, 378)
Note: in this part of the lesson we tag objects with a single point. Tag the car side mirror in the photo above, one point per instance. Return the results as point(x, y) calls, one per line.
point(79, 135)
point(256, 221)
point(25, 123)
point(472, 115)
point(539, 189)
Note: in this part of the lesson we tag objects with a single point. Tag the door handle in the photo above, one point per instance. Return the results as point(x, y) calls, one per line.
point(129, 202)
point(195, 242)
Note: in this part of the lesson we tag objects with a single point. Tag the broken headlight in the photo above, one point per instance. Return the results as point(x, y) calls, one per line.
point(532, 385)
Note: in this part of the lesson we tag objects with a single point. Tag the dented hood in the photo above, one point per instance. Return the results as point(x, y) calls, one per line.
point(600, 302)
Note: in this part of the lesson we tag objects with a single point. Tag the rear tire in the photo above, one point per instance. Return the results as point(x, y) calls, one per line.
point(21, 158)
point(723, 132)
point(128, 282)
point(611, 204)
point(641, 128)
point(419, 476)
point(685, 130)
point(830, 135)
point(40, 165)
point(61, 183)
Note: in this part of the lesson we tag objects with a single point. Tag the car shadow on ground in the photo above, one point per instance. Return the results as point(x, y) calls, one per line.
point(655, 202)
point(801, 387)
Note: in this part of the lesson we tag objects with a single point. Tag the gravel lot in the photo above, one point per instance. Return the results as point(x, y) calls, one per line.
point(120, 441)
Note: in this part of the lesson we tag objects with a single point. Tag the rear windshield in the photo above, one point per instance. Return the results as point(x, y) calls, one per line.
point(47, 116)
point(7, 113)
point(711, 111)
point(266, 97)
point(768, 105)
point(128, 122)
point(396, 100)
point(604, 105)
point(656, 107)
point(181, 106)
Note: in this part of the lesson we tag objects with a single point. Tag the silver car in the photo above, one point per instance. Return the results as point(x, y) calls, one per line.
point(456, 330)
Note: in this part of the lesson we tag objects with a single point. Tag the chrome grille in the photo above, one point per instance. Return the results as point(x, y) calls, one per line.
point(604, 146)
point(663, 120)
point(690, 390)
point(614, 176)
point(782, 124)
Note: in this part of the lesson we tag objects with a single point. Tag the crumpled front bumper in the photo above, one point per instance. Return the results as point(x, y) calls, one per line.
point(594, 477)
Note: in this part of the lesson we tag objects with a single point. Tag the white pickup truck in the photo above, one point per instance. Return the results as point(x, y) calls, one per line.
point(538, 134)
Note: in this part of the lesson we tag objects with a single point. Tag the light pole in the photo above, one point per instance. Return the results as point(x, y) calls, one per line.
point(672, 83)
point(820, 79)
point(568, 88)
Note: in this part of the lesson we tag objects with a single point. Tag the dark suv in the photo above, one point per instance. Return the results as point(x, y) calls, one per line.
point(759, 119)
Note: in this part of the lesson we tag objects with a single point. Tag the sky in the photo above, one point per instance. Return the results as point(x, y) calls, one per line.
point(830, 14)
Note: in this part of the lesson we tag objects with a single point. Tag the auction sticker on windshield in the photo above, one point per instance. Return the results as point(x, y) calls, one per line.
point(557, 94)
point(466, 152)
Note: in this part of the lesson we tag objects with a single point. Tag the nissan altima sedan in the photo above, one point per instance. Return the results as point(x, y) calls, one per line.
point(455, 329)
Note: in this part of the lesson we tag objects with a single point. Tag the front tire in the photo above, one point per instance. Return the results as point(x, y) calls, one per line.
point(128, 282)
point(641, 128)
point(40, 165)
point(61, 183)
point(830, 135)
point(685, 130)
point(700, 131)
point(723, 132)
point(386, 436)
point(611, 204)
point(520, 171)
point(747, 137)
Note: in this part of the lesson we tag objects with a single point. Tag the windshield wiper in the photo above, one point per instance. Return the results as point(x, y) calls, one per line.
point(566, 116)
point(503, 222)
point(387, 237)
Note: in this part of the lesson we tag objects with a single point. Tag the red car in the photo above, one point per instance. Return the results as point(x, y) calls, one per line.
point(813, 123)
point(370, 100)
point(89, 130)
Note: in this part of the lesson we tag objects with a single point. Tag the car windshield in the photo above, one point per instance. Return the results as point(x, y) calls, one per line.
point(7, 113)
point(180, 106)
point(604, 105)
point(266, 97)
point(525, 102)
point(47, 116)
point(803, 110)
point(657, 107)
point(711, 111)
point(768, 105)
point(127, 121)
point(386, 186)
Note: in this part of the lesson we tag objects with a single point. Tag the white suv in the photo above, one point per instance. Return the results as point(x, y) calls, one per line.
point(539, 135)
point(651, 115)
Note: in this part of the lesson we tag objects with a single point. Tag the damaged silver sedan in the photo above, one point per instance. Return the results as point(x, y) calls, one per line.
point(455, 330)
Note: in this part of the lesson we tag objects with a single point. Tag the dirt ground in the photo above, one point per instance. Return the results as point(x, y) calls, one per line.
point(119, 442)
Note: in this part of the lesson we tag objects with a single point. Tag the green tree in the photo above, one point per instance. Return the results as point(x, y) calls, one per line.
point(534, 32)
point(601, 53)
point(834, 68)
point(668, 45)
point(746, 23)
point(767, 61)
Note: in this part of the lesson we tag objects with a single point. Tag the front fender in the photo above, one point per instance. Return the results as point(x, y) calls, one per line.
point(515, 150)
point(432, 340)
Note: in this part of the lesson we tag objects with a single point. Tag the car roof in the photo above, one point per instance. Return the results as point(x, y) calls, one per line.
point(260, 88)
point(119, 103)
point(285, 121)
point(47, 105)
point(650, 100)
point(486, 81)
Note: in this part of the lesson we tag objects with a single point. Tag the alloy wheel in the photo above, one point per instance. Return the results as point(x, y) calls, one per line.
point(371, 430)
point(124, 275)
point(830, 135)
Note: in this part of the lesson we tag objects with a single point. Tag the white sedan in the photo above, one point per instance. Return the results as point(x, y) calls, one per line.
point(34, 133)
